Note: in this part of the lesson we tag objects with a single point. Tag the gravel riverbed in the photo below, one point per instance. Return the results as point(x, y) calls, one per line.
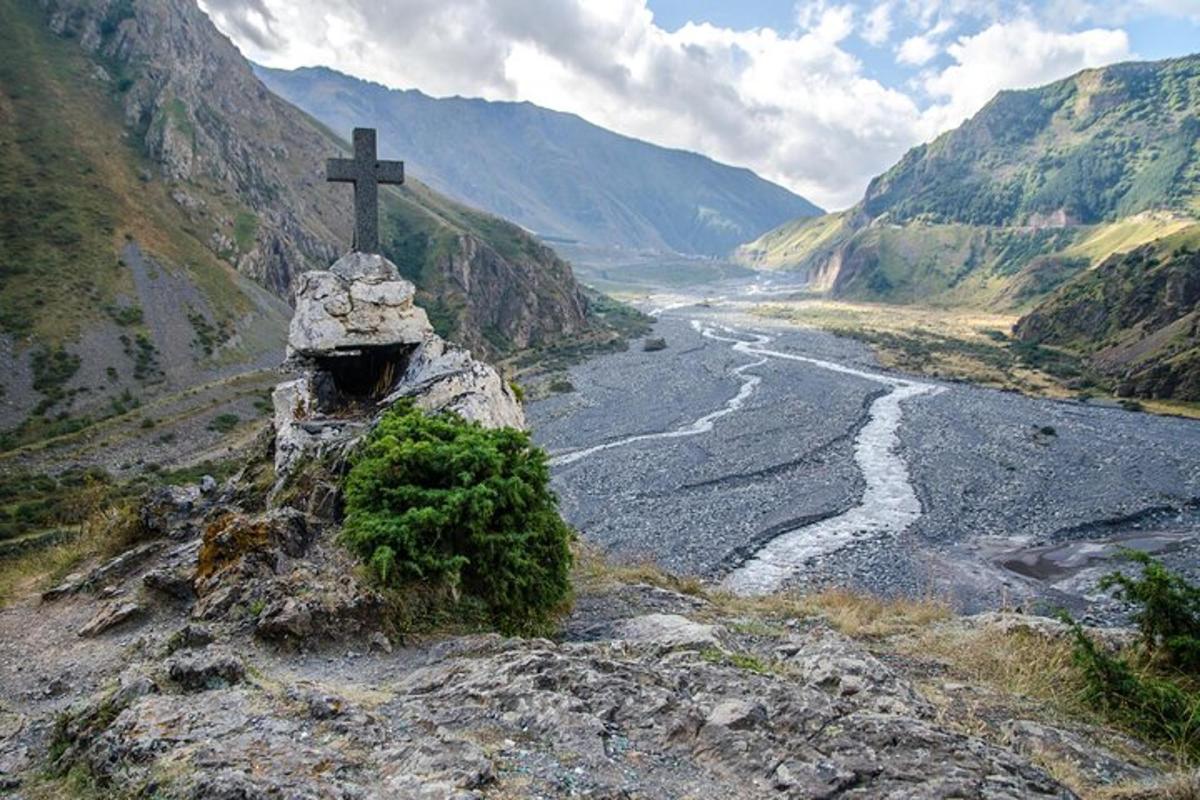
point(999, 476)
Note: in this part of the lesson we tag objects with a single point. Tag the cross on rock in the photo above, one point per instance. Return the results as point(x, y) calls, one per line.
point(366, 173)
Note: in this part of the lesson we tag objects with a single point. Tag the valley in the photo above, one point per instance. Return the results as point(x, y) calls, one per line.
point(762, 454)
point(574, 464)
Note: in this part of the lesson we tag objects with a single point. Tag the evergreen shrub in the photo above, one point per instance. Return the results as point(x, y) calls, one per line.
point(437, 500)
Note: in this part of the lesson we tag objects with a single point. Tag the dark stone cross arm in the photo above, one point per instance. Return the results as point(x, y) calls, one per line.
point(366, 172)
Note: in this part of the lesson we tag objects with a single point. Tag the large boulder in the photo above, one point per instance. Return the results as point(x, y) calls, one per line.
point(442, 377)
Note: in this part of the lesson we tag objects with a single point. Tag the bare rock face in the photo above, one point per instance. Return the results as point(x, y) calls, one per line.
point(360, 345)
point(670, 632)
point(828, 660)
point(442, 377)
point(280, 576)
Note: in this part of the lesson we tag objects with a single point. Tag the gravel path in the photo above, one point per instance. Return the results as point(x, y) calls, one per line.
point(750, 448)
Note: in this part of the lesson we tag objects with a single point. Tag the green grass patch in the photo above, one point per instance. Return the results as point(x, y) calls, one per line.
point(245, 228)
point(125, 316)
point(57, 216)
point(224, 423)
point(72, 191)
point(745, 661)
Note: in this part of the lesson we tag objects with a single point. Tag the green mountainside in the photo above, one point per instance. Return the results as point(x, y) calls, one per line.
point(156, 202)
point(1099, 146)
point(553, 173)
point(1037, 186)
point(1075, 202)
point(1137, 317)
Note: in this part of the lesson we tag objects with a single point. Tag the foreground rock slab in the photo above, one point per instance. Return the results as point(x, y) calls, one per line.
point(110, 616)
point(654, 715)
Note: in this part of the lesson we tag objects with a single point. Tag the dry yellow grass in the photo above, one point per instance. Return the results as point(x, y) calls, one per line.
point(594, 572)
point(1180, 786)
point(938, 342)
point(854, 613)
point(861, 615)
point(1018, 663)
point(106, 529)
point(956, 344)
point(888, 318)
point(1173, 408)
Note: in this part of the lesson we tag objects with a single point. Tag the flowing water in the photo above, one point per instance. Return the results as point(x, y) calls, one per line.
point(889, 503)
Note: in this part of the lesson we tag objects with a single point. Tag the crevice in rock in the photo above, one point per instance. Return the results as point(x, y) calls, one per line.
point(350, 380)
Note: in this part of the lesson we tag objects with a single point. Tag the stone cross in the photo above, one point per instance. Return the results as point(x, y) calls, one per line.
point(366, 173)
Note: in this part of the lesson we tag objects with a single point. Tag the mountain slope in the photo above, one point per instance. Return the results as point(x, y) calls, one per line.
point(107, 291)
point(554, 173)
point(150, 181)
point(1137, 317)
point(1035, 187)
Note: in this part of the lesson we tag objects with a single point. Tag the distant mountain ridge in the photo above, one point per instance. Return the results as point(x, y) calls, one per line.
point(1036, 186)
point(554, 173)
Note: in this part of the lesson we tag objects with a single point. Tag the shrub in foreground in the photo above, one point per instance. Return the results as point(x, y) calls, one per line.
point(1168, 613)
point(1152, 693)
point(437, 500)
point(1156, 706)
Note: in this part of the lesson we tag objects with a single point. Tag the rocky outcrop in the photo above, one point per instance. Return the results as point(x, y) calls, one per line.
point(360, 302)
point(492, 717)
point(829, 660)
point(281, 576)
point(649, 693)
point(360, 345)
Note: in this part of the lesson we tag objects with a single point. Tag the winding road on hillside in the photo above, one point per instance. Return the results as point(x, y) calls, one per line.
point(764, 456)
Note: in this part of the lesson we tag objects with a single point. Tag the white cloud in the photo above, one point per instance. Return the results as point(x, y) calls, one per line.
point(877, 25)
point(917, 51)
point(1119, 12)
point(1014, 55)
point(797, 107)
point(826, 21)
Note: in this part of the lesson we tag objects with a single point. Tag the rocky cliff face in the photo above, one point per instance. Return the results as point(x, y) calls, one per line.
point(212, 128)
point(249, 170)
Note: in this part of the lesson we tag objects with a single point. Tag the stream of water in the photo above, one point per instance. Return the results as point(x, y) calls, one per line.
point(889, 503)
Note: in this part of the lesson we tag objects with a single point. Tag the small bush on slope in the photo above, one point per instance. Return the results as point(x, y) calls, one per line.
point(1155, 695)
point(442, 501)
point(1169, 613)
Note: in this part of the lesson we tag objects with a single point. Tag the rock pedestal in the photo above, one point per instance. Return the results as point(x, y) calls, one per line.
point(359, 345)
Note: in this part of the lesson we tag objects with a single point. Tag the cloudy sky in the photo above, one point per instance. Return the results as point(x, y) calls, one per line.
point(818, 95)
